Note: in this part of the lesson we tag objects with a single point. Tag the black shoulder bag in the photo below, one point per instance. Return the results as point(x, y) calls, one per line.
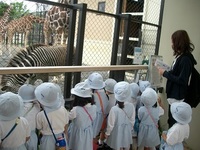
point(16, 123)
point(60, 143)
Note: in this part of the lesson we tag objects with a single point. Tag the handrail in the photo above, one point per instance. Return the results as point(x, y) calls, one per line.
point(61, 69)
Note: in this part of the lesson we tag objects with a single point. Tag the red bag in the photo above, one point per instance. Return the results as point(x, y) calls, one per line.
point(104, 124)
point(95, 145)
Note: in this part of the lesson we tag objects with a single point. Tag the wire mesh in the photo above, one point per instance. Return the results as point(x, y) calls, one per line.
point(97, 41)
point(99, 32)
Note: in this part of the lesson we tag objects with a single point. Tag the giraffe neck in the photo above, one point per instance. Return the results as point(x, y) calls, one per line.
point(4, 19)
point(58, 25)
point(22, 25)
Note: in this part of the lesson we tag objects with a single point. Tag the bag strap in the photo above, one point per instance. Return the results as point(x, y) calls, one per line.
point(101, 103)
point(50, 125)
point(16, 123)
point(28, 111)
point(104, 116)
point(88, 113)
point(126, 114)
point(152, 118)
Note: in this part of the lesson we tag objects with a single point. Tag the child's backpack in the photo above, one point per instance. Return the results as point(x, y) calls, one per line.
point(193, 93)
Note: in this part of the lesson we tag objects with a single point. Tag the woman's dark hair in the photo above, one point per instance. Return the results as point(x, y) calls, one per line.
point(82, 101)
point(120, 104)
point(181, 42)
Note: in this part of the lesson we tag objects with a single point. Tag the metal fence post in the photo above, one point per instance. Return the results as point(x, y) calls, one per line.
point(80, 41)
point(119, 75)
point(159, 27)
point(116, 37)
point(70, 48)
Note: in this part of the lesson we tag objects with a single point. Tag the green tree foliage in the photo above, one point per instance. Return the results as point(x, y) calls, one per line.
point(18, 10)
point(3, 7)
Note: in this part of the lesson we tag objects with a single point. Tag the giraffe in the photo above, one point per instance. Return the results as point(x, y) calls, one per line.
point(57, 24)
point(3, 23)
point(22, 25)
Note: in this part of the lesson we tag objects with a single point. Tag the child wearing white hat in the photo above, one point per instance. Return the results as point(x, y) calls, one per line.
point(134, 93)
point(143, 85)
point(173, 138)
point(135, 100)
point(148, 135)
point(31, 109)
point(82, 116)
point(96, 83)
point(14, 130)
point(53, 120)
point(121, 119)
point(109, 88)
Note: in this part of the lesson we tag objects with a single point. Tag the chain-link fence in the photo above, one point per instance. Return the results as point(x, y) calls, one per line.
point(100, 28)
point(111, 27)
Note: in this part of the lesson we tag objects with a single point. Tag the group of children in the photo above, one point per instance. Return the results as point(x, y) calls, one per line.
point(105, 114)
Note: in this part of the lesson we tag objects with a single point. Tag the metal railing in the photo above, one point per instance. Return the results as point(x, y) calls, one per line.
point(57, 69)
point(140, 71)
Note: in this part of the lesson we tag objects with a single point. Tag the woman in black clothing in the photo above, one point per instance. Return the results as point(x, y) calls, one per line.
point(179, 75)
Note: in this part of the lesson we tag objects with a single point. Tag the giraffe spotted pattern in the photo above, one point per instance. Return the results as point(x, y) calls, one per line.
point(56, 24)
point(22, 25)
point(3, 22)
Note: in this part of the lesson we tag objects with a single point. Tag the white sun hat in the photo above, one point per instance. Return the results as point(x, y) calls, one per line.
point(181, 112)
point(95, 81)
point(122, 91)
point(109, 85)
point(149, 97)
point(59, 90)
point(134, 90)
point(47, 94)
point(60, 94)
point(82, 90)
point(143, 85)
point(26, 92)
point(11, 106)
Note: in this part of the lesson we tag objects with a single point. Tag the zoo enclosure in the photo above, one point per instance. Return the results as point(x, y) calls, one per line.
point(106, 35)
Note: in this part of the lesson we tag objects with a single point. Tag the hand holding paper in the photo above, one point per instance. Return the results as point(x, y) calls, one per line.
point(160, 64)
point(160, 70)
